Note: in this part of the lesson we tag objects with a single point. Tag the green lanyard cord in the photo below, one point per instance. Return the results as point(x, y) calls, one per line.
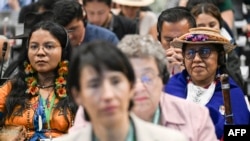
point(156, 117)
point(48, 110)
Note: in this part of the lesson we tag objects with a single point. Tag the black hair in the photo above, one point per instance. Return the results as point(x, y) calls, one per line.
point(100, 55)
point(173, 15)
point(107, 2)
point(18, 97)
point(192, 3)
point(66, 11)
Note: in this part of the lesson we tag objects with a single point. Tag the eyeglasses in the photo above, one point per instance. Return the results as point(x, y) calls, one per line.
point(148, 78)
point(48, 47)
point(204, 53)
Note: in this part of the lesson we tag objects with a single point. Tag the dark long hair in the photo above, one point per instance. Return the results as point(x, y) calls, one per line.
point(17, 96)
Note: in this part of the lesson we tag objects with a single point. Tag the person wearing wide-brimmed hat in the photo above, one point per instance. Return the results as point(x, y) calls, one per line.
point(146, 20)
point(204, 60)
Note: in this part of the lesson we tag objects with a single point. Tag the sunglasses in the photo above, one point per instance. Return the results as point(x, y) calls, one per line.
point(204, 53)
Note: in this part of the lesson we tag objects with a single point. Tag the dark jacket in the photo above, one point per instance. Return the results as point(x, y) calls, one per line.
point(177, 85)
point(122, 26)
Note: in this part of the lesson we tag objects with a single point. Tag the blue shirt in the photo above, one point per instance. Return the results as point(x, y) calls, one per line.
point(93, 32)
point(177, 85)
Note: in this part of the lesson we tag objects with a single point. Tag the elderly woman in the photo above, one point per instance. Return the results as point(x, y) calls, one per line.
point(36, 97)
point(151, 103)
point(103, 81)
point(208, 15)
point(204, 60)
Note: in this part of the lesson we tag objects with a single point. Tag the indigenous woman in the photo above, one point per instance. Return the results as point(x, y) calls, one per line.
point(37, 98)
point(204, 60)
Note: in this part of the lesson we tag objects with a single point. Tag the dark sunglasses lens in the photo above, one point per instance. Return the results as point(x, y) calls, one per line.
point(189, 54)
point(204, 52)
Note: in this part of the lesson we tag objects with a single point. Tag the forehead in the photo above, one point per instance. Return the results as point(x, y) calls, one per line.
point(96, 4)
point(189, 46)
point(144, 63)
point(175, 29)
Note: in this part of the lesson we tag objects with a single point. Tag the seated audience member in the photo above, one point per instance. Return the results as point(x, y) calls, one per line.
point(208, 15)
point(103, 82)
point(151, 103)
point(145, 20)
point(99, 13)
point(69, 14)
point(204, 52)
point(36, 97)
point(173, 23)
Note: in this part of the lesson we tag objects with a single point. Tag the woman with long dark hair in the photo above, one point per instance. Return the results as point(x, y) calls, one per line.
point(37, 97)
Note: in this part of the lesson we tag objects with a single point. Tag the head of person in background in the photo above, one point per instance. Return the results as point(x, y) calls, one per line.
point(104, 83)
point(204, 51)
point(173, 23)
point(145, 20)
point(69, 13)
point(207, 15)
point(99, 13)
point(151, 103)
point(41, 77)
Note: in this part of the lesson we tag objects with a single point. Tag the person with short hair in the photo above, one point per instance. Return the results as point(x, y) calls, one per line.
point(99, 13)
point(69, 14)
point(173, 23)
point(151, 103)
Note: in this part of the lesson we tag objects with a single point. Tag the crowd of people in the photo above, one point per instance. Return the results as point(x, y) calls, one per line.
point(103, 70)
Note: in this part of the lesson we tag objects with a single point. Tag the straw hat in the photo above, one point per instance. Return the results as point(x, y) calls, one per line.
point(203, 35)
point(137, 3)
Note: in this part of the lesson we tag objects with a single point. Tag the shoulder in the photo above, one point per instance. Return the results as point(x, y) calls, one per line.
point(94, 32)
point(83, 134)
point(149, 132)
point(185, 108)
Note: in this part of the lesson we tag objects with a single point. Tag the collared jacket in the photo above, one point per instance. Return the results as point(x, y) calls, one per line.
point(93, 32)
point(177, 85)
point(190, 118)
point(144, 131)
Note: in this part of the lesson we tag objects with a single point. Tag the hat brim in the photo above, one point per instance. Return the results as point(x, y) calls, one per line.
point(134, 3)
point(179, 44)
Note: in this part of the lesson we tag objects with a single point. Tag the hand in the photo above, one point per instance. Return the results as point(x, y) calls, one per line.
point(175, 60)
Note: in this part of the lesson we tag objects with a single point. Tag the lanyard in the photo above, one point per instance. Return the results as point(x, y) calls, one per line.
point(156, 117)
point(48, 108)
point(130, 136)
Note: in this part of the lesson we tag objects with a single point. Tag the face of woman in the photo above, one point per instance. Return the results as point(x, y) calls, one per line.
point(129, 11)
point(105, 97)
point(206, 20)
point(44, 51)
point(202, 70)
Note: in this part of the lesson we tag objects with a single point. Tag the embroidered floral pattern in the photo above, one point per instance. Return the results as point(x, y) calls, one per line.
point(196, 37)
point(60, 82)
